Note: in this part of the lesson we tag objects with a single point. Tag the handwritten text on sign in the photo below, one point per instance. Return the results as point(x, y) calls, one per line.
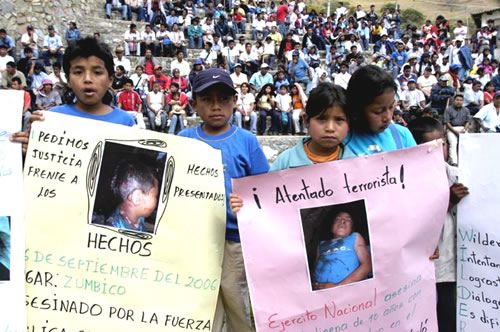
point(338, 247)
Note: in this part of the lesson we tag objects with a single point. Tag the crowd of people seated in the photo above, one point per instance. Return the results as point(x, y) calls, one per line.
point(288, 50)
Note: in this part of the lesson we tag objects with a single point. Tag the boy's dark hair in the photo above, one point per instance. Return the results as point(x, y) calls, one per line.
point(16, 79)
point(11, 64)
point(3, 30)
point(128, 81)
point(132, 175)
point(459, 95)
point(175, 84)
point(121, 68)
point(85, 48)
point(28, 49)
point(324, 96)
point(56, 65)
point(366, 83)
point(424, 125)
point(139, 66)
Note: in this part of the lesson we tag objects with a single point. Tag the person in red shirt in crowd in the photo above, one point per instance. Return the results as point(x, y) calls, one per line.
point(177, 102)
point(17, 84)
point(158, 76)
point(182, 82)
point(130, 101)
point(148, 62)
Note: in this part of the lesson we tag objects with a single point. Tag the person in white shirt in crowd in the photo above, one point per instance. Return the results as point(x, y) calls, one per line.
point(208, 29)
point(341, 10)
point(140, 80)
point(359, 13)
point(132, 41)
point(58, 78)
point(249, 59)
point(284, 107)
point(474, 98)
point(181, 64)
point(121, 60)
point(238, 77)
point(343, 77)
point(30, 39)
point(52, 47)
point(208, 56)
point(269, 51)
point(489, 115)
point(231, 53)
point(245, 108)
point(259, 27)
point(4, 58)
point(163, 41)
point(148, 39)
point(177, 38)
point(217, 44)
point(240, 46)
point(482, 77)
point(426, 81)
point(413, 97)
point(460, 31)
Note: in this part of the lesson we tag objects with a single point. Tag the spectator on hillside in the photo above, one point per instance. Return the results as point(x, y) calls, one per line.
point(159, 77)
point(130, 101)
point(47, 96)
point(118, 5)
point(181, 64)
point(155, 102)
point(224, 30)
point(119, 79)
point(9, 73)
point(311, 38)
point(140, 80)
point(249, 60)
point(52, 47)
point(230, 53)
point(456, 120)
point(238, 77)
point(238, 19)
point(148, 40)
point(72, 33)
point(182, 82)
point(298, 69)
point(163, 47)
point(4, 58)
point(208, 29)
point(426, 81)
point(132, 39)
point(30, 39)
point(343, 77)
point(37, 77)
point(120, 60)
point(208, 56)
point(195, 34)
point(412, 97)
point(197, 69)
point(460, 31)
point(177, 40)
point(58, 78)
point(261, 78)
point(405, 77)
point(177, 102)
point(135, 6)
point(441, 95)
point(474, 98)
point(148, 62)
point(9, 42)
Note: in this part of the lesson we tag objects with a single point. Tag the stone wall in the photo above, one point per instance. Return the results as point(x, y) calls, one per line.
point(15, 15)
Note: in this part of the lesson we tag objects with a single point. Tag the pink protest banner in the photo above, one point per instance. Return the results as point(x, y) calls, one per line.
point(345, 246)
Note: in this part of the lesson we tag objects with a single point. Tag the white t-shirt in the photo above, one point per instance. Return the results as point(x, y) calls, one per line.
point(342, 79)
point(269, 48)
point(259, 25)
point(123, 62)
point(147, 37)
point(426, 84)
point(4, 60)
point(413, 97)
point(488, 114)
point(283, 102)
point(239, 79)
point(245, 101)
point(183, 67)
point(460, 32)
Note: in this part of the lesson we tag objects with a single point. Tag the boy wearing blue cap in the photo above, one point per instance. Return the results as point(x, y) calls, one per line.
point(214, 99)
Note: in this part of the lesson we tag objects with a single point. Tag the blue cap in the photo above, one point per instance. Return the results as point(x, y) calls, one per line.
point(198, 61)
point(210, 77)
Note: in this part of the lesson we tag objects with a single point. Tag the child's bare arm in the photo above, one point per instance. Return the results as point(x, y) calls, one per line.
point(23, 136)
point(457, 192)
point(235, 202)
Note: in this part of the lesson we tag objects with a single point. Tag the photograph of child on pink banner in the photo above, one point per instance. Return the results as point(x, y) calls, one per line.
point(346, 245)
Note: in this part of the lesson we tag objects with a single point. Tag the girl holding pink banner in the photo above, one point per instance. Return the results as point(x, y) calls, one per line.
point(370, 100)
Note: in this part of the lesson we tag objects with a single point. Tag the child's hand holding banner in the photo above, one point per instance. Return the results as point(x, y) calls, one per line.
point(345, 246)
point(124, 228)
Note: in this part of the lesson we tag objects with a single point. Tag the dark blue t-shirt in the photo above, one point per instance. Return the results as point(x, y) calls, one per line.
point(241, 155)
point(117, 115)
